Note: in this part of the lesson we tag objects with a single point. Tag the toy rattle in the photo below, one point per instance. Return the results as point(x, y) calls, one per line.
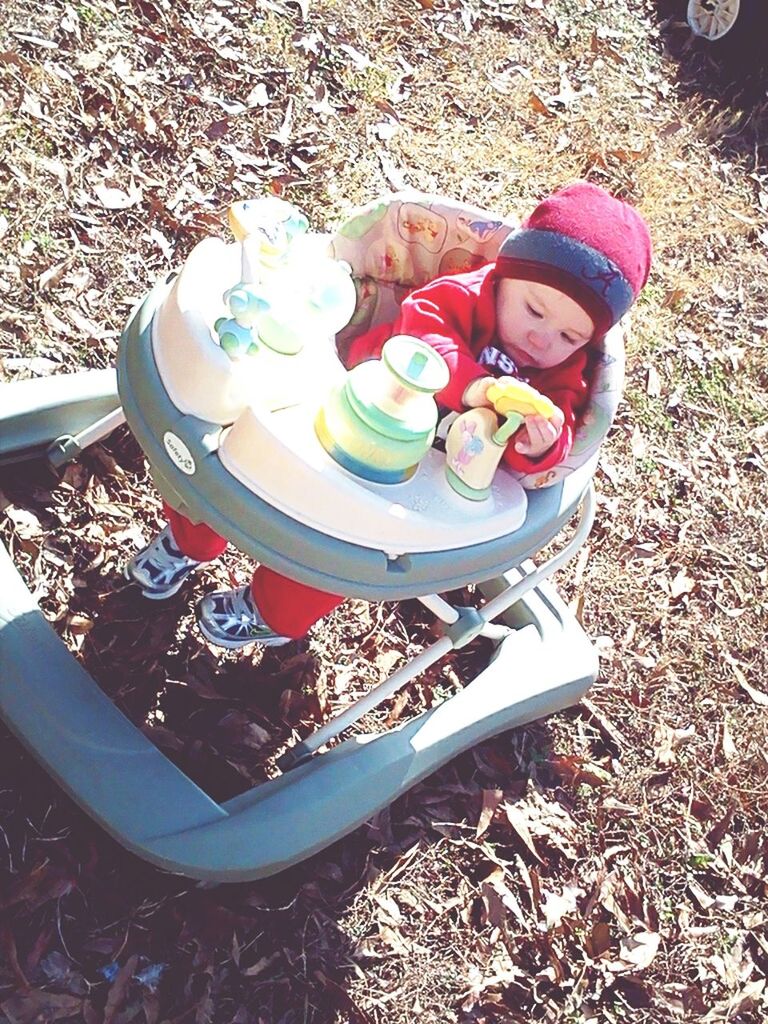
point(476, 442)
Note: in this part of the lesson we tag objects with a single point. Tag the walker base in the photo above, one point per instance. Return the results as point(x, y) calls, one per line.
point(148, 805)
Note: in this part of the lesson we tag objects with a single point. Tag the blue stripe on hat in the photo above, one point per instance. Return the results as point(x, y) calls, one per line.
point(587, 265)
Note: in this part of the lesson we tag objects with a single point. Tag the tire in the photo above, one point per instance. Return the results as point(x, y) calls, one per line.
point(712, 19)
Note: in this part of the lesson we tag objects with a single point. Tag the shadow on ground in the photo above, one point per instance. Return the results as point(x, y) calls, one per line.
point(83, 915)
point(730, 76)
point(74, 905)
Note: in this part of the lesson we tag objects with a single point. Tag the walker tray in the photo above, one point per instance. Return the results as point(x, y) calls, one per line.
point(316, 522)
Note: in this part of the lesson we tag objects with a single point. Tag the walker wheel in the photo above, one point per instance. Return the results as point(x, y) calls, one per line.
point(712, 19)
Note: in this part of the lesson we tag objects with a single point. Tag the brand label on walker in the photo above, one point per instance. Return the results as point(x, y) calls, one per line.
point(178, 452)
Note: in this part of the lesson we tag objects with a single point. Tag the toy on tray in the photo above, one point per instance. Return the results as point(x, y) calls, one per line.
point(381, 421)
point(275, 303)
point(266, 226)
point(476, 442)
point(253, 320)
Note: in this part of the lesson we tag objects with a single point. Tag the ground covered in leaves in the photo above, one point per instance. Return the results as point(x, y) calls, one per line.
point(608, 864)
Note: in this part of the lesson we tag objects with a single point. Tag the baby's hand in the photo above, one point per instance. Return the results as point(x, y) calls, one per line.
point(476, 393)
point(538, 434)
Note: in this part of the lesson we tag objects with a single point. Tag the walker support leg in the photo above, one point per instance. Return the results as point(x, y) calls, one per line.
point(82, 407)
point(462, 626)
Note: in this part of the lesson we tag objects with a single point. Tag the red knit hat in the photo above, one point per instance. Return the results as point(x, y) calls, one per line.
point(586, 243)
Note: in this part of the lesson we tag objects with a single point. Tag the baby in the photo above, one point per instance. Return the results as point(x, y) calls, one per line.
point(558, 284)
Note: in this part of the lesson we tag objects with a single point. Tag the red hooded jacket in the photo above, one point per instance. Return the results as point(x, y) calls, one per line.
point(456, 315)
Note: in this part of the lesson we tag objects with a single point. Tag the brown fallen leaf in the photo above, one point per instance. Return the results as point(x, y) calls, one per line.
point(27, 525)
point(79, 624)
point(113, 198)
point(681, 584)
point(653, 383)
point(52, 276)
point(758, 696)
point(726, 740)
point(11, 57)
point(119, 988)
point(37, 886)
point(491, 800)
point(537, 103)
point(260, 966)
point(612, 895)
point(517, 820)
point(555, 906)
point(386, 661)
point(499, 899)
point(627, 155)
point(638, 444)
point(673, 297)
point(36, 1006)
point(398, 706)
point(609, 731)
point(700, 894)
point(237, 728)
point(636, 952)
point(599, 940)
point(667, 740)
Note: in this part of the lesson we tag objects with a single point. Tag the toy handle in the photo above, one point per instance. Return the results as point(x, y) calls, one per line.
point(512, 421)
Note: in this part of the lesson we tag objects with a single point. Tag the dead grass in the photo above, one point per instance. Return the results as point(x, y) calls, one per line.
point(606, 865)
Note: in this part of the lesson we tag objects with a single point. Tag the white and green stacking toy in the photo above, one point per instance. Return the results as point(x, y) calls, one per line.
point(381, 421)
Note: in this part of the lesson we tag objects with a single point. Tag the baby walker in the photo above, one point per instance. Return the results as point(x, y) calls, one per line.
point(228, 376)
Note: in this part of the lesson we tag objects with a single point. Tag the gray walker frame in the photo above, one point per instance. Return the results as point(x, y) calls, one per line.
point(542, 660)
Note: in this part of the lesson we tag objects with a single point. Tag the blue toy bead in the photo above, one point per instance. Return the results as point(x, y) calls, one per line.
point(246, 303)
point(236, 340)
point(296, 224)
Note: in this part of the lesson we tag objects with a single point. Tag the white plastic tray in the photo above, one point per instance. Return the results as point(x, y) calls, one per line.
point(277, 455)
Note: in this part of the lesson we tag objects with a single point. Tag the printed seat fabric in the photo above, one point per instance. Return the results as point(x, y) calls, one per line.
point(400, 242)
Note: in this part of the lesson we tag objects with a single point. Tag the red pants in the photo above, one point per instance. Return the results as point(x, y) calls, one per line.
point(287, 607)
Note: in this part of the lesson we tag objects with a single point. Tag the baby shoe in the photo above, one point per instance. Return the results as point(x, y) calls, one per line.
point(160, 569)
point(229, 618)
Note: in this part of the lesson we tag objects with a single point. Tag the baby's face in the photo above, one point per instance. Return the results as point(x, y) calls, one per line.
point(537, 325)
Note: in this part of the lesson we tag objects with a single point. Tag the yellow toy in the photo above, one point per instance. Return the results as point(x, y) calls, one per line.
point(517, 396)
point(476, 441)
point(270, 224)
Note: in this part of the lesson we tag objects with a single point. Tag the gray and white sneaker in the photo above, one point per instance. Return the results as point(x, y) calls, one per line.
point(229, 618)
point(160, 569)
